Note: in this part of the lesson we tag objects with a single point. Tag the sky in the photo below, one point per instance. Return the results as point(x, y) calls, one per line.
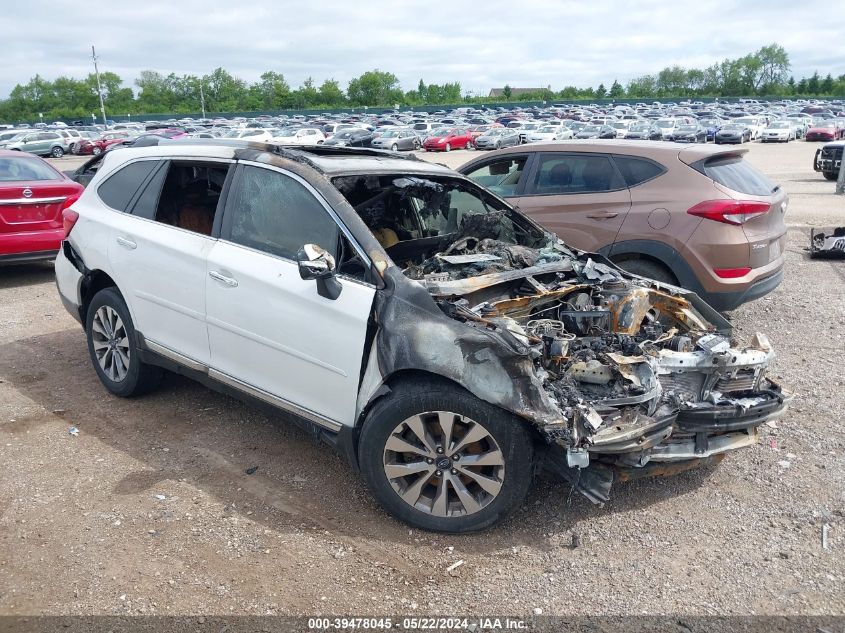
point(481, 44)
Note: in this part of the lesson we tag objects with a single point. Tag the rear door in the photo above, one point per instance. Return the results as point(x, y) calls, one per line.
point(158, 247)
point(580, 196)
point(270, 331)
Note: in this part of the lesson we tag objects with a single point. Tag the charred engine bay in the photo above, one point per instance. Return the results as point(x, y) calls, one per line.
point(628, 365)
point(633, 371)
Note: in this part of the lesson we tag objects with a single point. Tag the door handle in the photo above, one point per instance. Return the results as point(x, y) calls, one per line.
point(223, 278)
point(602, 215)
point(123, 241)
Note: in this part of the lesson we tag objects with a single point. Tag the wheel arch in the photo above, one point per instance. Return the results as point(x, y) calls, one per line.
point(659, 253)
point(92, 283)
point(348, 437)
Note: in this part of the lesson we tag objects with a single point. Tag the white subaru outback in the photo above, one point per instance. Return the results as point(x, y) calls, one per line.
point(447, 345)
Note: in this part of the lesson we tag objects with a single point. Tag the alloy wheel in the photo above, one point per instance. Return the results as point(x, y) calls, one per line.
point(444, 464)
point(111, 343)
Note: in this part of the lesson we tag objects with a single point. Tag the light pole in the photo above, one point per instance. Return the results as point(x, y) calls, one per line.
point(99, 88)
point(202, 100)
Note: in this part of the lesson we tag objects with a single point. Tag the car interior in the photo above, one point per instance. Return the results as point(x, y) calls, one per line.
point(189, 196)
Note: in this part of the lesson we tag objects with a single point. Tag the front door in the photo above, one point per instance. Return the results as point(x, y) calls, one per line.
point(270, 330)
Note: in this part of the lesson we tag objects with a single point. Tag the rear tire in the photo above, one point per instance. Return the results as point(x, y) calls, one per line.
point(57, 152)
point(505, 443)
point(831, 175)
point(113, 347)
point(97, 151)
point(394, 148)
point(649, 269)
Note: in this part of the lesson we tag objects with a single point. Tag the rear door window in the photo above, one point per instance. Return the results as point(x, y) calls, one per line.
point(737, 174)
point(558, 174)
point(636, 170)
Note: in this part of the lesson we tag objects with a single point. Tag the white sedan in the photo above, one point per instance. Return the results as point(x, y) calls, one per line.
point(300, 136)
point(778, 131)
point(548, 133)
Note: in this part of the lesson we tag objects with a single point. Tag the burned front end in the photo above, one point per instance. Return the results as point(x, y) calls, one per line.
point(622, 377)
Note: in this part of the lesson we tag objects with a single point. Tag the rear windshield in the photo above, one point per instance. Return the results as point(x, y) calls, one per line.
point(20, 169)
point(735, 173)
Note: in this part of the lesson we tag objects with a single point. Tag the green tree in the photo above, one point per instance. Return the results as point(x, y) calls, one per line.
point(331, 94)
point(374, 88)
point(773, 66)
point(813, 84)
point(616, 90)
point(601, 92)
point(826, 86)
point(507, 93)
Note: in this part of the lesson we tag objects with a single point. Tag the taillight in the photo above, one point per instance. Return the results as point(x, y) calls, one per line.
point(69, 218)
point(730, 211)
point(71, 199)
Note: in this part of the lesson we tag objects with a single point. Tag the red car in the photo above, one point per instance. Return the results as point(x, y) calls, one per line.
point(446, 141)
point(33, 200)
point(101, 144)
point(826, 130)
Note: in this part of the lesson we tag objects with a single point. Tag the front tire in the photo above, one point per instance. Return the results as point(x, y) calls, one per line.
point(439, 458)
point(113, 347)
point(394, 148)
point(448, 147)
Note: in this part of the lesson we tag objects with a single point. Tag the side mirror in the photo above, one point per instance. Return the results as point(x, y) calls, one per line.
point(316, 263)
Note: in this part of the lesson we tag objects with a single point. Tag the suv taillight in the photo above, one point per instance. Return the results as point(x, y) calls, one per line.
point(735, 212)
point(69, 218)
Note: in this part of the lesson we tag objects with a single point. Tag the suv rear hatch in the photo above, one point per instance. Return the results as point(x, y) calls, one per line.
point(764, 223)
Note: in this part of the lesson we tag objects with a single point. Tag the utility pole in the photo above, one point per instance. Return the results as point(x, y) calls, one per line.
point(99, 88)
point(202, 100)
point(840, 181)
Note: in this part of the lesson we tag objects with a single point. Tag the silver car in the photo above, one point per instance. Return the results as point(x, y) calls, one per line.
point(497, 138)
point(397, 140)
point(42, 143)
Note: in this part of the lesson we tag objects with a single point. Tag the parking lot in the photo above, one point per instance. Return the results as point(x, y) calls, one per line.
point(150, 509)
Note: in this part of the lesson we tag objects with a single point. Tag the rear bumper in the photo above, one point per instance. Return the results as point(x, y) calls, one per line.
point(30, 246)
point(26, 258)
point(69, 282)
point(723, 301)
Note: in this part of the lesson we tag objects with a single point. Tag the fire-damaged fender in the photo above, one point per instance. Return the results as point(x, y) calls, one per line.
point(413, 334)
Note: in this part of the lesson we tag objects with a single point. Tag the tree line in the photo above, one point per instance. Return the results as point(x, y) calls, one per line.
point(763, 73)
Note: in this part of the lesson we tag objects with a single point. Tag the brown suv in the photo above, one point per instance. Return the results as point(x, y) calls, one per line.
point(696, 216)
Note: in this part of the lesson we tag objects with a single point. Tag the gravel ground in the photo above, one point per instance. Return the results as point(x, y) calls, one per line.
point(149, 510)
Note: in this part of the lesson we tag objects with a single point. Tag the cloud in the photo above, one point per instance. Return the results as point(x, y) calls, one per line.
point(481, 45)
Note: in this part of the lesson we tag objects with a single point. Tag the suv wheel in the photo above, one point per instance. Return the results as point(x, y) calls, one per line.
point(57, 152)
point(113, 348)
point(438, 458)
